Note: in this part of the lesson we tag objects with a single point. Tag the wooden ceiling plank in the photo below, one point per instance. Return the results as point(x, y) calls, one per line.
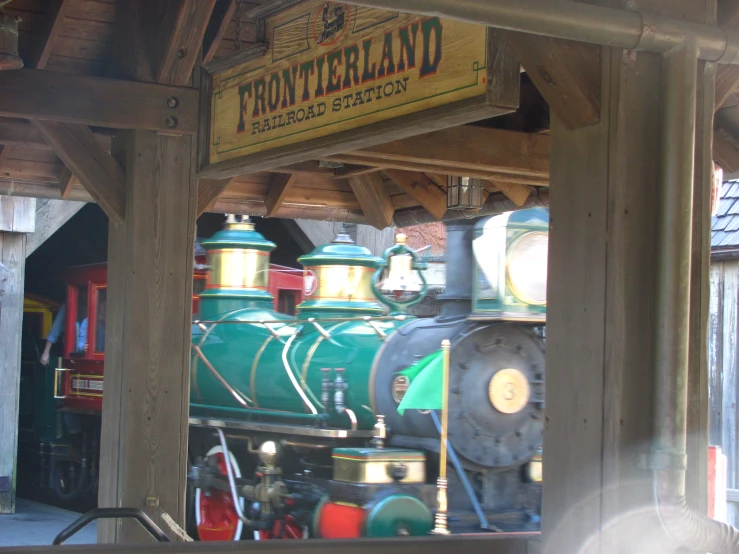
point(54, 24)
point(374, 199)
point(4, 151)
point(179, 39)
point(467, 146)
point(440, 170)
point(208, 192)
point(566, 73)
point(96, 169)
point(67, 180)
point(422, 189)
point(725, 151)
point(52, 28)
point(223, 13)
point(279, 186)
point(347, 170)
point(118, 104)
point(517, 192)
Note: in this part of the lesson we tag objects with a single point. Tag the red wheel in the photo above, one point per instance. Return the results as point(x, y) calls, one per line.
point(287, 529)
point(215, 514)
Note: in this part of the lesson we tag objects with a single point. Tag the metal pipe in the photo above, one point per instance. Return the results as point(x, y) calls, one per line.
point(569, 20)
point(231, 482)
point(240, 397)
point(496, 204)
point(241, 412)
point(674, 236)
point(352, 418)
point(695, 532)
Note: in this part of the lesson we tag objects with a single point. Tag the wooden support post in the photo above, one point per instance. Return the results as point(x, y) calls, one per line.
point(143, 459)
point(698, 401)
point(599, 320)
point(16, 218)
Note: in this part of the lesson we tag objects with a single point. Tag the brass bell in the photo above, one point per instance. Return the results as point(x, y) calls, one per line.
point(400, 273)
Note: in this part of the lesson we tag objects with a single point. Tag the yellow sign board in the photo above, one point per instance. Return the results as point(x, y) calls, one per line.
point(332, 67)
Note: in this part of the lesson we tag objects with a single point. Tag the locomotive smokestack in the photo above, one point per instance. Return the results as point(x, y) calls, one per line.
point(457, 297)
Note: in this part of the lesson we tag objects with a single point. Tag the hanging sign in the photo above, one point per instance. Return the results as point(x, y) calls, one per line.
point(346, 73)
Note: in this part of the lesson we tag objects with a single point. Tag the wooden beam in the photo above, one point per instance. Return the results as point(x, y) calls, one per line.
point(49, 218)
point(118, 104)
point(566, 73)
point(725, 151)
point(53, 25)
point(179, 38)
point(223, 13)
point(464, 150)
point(374, 199)
point(517, 192)
point(422, 188)
point(17, 215)
point(96, 169)
point(429, 168)
point(67, 180)
point(277, 192)
point(478, 543)
point(208, 192)
point(4, 151)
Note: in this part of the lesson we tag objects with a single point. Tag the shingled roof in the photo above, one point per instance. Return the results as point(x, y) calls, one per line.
point(725, 224)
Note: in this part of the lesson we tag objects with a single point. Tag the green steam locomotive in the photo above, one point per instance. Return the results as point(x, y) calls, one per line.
point(294, 423)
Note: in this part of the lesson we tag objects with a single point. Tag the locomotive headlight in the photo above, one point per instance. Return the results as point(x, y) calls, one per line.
point(527, 268)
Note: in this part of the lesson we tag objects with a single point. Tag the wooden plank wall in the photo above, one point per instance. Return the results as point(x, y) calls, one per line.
point(723, 335)
point(12, 273)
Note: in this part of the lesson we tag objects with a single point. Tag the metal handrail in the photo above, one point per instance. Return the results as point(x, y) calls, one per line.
point(107, 513)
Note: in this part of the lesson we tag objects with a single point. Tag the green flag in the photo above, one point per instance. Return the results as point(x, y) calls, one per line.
point(424, 392)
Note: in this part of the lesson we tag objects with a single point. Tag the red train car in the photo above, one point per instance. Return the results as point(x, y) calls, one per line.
point(80, 382)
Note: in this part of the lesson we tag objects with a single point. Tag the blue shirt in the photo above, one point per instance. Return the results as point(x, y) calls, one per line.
point(57, 328)
point(81, 335)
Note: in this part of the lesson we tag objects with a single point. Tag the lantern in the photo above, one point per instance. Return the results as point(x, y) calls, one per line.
point(464, 193)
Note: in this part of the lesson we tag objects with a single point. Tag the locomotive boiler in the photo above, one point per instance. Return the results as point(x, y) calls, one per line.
point(294, 423)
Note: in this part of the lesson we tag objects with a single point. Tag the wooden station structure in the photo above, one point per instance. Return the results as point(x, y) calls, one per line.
point(159, 110)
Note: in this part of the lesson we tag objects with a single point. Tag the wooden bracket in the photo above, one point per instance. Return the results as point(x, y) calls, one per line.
point(566, 73)
point(374, 199)
point(422, 188)
point(208, 192)
point(67, 180)
point(277, 191)
point(96, 169)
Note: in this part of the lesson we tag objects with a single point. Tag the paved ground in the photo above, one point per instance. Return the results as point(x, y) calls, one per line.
point(37, 524)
